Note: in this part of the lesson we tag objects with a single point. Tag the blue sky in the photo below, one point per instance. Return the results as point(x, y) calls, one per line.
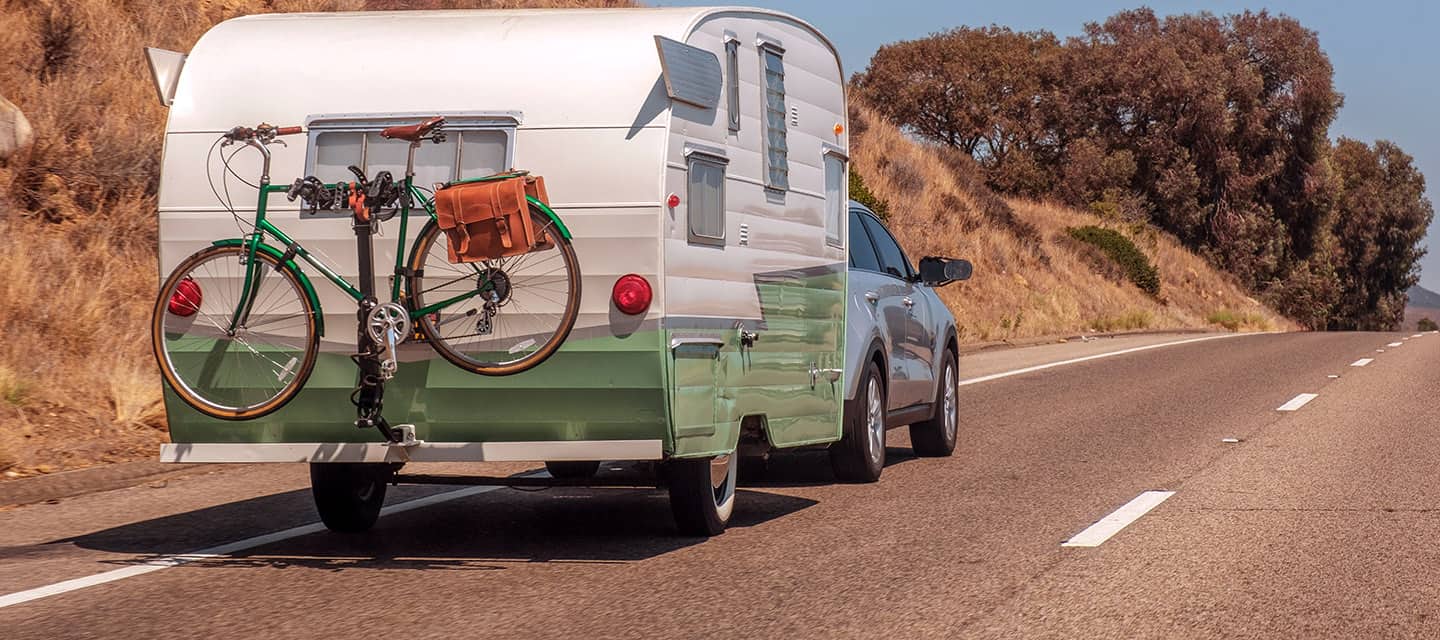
point(1386, 54)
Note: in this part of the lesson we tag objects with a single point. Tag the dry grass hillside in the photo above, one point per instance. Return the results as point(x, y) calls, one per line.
point(1031, 278)
point(77, 217)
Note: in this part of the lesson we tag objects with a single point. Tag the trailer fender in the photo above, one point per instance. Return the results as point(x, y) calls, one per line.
point(305, 284)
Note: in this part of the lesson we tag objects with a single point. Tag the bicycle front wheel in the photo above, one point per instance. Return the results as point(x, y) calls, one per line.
point(245, 372)
point(499, 317)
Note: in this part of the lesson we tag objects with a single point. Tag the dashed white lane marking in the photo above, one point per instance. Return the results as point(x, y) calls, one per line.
point(1395, 344)
point(1006, 374)
point(1298, 401)
point(1110, 525)
point(1362, 362)
point(166, 562)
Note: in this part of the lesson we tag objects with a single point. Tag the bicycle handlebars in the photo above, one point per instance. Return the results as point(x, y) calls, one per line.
point(263, 133)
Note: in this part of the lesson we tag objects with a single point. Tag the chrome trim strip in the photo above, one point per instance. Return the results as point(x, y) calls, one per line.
point(423, 452)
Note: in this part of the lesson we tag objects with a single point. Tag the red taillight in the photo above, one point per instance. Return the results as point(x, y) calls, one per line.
point(186, 299)
point(631, 294)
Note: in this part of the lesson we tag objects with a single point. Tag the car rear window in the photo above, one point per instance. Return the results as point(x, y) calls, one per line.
point(862, 252)
point(892, 259)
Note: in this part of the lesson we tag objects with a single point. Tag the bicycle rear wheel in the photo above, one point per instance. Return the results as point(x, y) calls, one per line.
point(255, 369)
point(509, 314)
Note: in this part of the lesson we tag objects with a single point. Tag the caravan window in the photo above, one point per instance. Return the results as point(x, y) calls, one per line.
point(835, 199)
point(777, 167)
point(732, 81)
point(705, 196)
point(472, 152)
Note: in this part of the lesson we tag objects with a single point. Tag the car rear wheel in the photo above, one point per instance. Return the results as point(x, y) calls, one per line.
point(936, 437)
point(859, 456)
point(702, 493)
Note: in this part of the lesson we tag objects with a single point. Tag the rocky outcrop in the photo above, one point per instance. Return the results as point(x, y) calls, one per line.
point(15, 131)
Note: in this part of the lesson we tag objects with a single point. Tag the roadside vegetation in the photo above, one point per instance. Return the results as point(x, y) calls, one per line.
point(1032, 278)
point(1426, 324)
point(1121, 251)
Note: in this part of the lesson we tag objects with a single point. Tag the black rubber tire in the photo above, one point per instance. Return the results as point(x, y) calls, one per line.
point(349, 495)
point(415, 288)
point(700, 508)
point(935, 438)
point(854, 458)
point(203, 405)
point(573, 469)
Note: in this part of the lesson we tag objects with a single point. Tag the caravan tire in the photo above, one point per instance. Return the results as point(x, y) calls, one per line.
point(702, 493)
point(573, 469)
point(349, 495)
point(859, 456)
point(935, 438)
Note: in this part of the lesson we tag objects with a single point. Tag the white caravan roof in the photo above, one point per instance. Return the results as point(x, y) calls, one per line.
point(557, 67)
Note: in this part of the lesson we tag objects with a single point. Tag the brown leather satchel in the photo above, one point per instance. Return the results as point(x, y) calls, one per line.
point(486, 220)
point(535, 188)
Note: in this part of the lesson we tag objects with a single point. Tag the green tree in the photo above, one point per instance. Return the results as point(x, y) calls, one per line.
point(1381, 218)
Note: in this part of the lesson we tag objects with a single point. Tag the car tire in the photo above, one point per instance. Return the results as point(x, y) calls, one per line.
point(702, 493)
point(859, 456)
point(349, 495)
point(573, 469)
point(935, 438)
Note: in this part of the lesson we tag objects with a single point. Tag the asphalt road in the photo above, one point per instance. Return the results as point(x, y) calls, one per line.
point(1317, 522)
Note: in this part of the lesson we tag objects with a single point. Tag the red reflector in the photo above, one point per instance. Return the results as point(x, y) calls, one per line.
point(631, 294)
point(186, 299)
point(673, 201)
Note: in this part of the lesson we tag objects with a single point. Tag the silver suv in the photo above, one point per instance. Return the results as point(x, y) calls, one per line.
point(900, 351)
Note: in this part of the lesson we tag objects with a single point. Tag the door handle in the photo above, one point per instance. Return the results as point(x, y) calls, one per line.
point(872, 297)
point(908, 302)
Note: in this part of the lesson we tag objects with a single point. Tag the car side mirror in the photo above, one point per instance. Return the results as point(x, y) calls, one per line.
point(938, 272)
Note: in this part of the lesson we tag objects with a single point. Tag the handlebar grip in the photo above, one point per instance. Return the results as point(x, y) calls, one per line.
point(287, 131)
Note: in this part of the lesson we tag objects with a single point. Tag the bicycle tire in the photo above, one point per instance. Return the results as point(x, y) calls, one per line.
point(430, 253)
point(233, 392)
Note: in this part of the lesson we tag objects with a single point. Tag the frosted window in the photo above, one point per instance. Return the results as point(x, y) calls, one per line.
point(834, 198)
point(335, 151)
point(482, 153)
point(706, 198)
point(732, 82)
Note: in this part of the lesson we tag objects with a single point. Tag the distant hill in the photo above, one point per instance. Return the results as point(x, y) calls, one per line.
point(1422, 297)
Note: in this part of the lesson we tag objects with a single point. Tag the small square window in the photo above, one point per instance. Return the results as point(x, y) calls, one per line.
point(705, 198)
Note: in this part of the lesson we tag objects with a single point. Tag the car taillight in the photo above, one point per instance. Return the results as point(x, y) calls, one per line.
point(186, 299)
point(631, 294)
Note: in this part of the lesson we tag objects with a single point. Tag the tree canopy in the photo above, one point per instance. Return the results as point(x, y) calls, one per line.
point(1215, 129)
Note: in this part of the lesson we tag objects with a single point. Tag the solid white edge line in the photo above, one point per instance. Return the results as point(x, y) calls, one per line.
point(1362, 362)
point(1098, 533)
point(166, 562)
point(1042, 367)
point(1298, 401)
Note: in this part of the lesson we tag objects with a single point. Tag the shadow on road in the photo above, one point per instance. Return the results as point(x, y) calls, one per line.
point(482, 532)
point(807, 468)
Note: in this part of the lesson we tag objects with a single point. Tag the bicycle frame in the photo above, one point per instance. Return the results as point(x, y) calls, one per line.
point(264, 228)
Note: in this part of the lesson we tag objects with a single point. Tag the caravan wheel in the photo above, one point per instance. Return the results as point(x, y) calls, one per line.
point(702, 494)
point(349, 495)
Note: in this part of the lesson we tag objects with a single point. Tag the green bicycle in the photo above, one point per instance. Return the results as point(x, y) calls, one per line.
point(237, 325)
